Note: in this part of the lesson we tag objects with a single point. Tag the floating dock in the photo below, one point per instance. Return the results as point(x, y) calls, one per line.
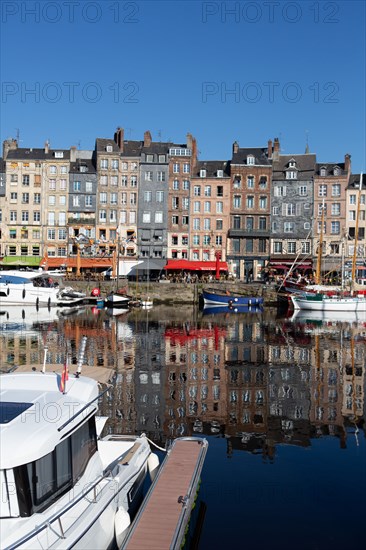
point(164, 514)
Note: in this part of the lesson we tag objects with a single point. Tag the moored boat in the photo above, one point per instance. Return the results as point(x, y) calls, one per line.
point(214, 297)
point(324, 302)
point(63, 486)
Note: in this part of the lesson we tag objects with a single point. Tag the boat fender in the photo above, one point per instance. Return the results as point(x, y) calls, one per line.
point(37, 303)
point(235, 299)
point(49, 302)
point(23, 293)
point(153, 465)
point(250, 302)
point(230, 302)
point(8, 291)
point(122, 522)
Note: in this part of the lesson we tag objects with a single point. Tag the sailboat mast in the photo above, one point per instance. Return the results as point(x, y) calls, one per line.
point(320, 249)
point(356, 231)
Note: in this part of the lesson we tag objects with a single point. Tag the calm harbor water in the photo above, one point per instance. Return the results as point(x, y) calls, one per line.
point(280, 399)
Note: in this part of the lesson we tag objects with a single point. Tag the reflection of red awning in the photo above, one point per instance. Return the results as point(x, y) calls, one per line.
point(187, 265)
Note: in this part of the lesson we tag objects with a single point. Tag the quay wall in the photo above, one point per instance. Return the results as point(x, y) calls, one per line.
point(178, 293)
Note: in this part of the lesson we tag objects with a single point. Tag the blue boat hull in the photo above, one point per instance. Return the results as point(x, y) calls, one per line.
point(230, 300)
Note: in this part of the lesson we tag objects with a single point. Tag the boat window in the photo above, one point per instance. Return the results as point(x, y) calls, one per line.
point(10, 410)
point(42, 481)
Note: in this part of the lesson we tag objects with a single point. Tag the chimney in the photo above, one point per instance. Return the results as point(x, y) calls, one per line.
point(189, 141)
point(46, 147)
point(235, 147)
point(194, 152)
point(119, 137)
point(9, 145)
point(73, 154)
point(276, 149)
point(269, 149)
point(347, 163)
point(147, 139)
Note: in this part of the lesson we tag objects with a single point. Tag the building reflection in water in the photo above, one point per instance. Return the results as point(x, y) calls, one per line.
point(256, 380)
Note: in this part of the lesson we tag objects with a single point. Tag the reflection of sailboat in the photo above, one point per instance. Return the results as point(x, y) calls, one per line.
point(325, 316)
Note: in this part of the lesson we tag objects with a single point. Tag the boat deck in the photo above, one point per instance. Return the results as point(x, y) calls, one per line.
point(165, 512)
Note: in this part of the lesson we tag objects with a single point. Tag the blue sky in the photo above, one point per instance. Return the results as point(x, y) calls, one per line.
point(224, 71)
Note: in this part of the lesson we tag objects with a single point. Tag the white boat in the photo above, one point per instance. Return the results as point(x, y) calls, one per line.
point(323, 302)
point(34, 288)
point(62, 486)
point(114, 299)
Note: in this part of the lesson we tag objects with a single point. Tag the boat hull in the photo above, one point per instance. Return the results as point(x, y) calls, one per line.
point(213, 298)
point(222, 309)
point(330, 303)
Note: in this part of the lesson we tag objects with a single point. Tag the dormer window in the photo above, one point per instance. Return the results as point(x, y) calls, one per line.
point(59, 154)
point(220, 173)
point(292, 164)
point(109, 149)
point(202, 173)
point(336, 171)
point(291, 174)
point(250, 160)
point(323, 172)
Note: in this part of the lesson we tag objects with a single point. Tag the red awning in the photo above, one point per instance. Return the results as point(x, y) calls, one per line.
point(186, 265)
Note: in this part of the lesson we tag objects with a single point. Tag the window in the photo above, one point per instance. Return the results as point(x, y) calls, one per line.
point(104, 164)
point(262, 203)
point(51, 218)
point(196, 240)
point(186, 168)
point(160, 176)
point(206, 224)
point(52, 185)
point(307, 225)
point(149, 175)
point(291, 247)
point(12, 233)
point(250, 182)
point(236, 222)
point(13, 216)
point(280, 191)
point(25, 198)
point(288, 227)
point(291, 174)
point(175, 203)
point(175, 220)
point(250, 201)
point(133, 199)
point(63, 185)
point(262, 223)
point(319, 227)
point(103, 180)
point(203, 173)
point(51, 234)
point(249, 245)
point(206, 242)
point(102, 216)
point(197, 190)
point(37, 198)
point(114, 181)
point(159, 196)
point(236, 245)
point(207, 206)
point(13, 197)
point(158, 217)
point(336, 209)
point(207, 190)
point(185, 203)
point(114, 163)
point(277, 247)
point(263, 182)
point(335, 227)
point(249, 223)
point(336, 190)
point(305, 247)
point(262, 245)
point(175, 185)
point(124, 165)
point(275, 210)
point(124, 180)
point(288, 209)
point(219, 207)
point(88, 200)
point(13, 178)
point(334, 248)
point(219, 191)
point(103, 198)
point(237, 182)
point(25, 216)
point(36, 216)
point(185, 220)
point(196, 224)
point(76, 200)
point(147, 196)
point(186, 185)
point(352, 215)
point(62, 234)
point(51, 200)
point(219, 225)
point(53, 169)
point(322, 191)
point(123, 198)
point(176, 168)
point(303, 190)
point(237, 201)
point(250, 160)
point(196, 206)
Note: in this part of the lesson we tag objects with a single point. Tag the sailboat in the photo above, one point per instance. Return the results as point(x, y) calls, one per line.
point(117, 298)
point(353, 301)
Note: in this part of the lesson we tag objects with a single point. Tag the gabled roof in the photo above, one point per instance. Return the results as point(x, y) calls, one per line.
point(37, 154)
point(211, 167)
point(329, 168)
point(354, 182)
point(259, 153)
point(305, 166)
